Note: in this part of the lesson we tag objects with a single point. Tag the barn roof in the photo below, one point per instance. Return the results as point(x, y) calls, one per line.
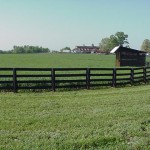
point(115, 49)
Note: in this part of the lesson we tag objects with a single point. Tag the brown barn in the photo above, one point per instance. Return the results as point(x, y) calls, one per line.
point(129, 57)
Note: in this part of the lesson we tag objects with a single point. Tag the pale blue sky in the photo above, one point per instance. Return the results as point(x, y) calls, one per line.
point(59, 23)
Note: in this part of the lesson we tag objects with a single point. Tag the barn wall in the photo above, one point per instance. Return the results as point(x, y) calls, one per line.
point(129, 58)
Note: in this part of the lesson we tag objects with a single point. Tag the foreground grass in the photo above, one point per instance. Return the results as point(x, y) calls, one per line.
point(88, 119)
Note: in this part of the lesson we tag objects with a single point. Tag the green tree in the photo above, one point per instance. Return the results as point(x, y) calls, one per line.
point(146, 45)
point(105, 45)
point(122, 38)
point(119, 38)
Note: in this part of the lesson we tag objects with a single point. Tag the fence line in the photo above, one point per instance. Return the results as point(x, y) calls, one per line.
point(14, 79)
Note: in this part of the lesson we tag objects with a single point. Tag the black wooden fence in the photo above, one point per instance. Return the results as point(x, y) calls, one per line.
point(14, 79)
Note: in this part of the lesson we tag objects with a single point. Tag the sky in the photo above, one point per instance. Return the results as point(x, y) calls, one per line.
point(55, 24)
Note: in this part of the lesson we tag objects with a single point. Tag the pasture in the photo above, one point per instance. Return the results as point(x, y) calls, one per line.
point(113, 118)
point(57, 60)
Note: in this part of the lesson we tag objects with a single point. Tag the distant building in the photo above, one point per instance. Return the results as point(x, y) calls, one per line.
point(86, 49)
point(66, 51)
point(129, 57)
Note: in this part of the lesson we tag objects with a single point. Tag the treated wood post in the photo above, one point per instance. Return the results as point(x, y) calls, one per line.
point(144, 75)
point(53, 80)
point(114, 78)
point(14, 80)
point(88, 78)
point(132, 76)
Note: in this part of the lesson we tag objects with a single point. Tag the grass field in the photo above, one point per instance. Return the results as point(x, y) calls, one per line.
point(57, 60)
point(109, 119)
point(88, 119)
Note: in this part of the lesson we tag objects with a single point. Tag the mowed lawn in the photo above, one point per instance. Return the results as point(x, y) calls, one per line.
point(109, 119)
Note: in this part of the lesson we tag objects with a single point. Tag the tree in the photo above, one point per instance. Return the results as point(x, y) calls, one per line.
point(122, 38)
point(146, 45)
point(105, 45)
point(119, 38)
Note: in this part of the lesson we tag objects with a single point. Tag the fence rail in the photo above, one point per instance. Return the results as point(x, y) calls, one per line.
point(14, 79)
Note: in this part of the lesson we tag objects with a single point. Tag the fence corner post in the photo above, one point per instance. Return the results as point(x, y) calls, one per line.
point(88, 78)
point(14, 80)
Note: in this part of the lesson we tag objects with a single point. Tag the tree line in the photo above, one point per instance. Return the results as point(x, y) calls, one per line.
point(26, 49)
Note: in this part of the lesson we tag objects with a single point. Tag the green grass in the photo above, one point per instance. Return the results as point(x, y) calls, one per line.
point(106, 119)
point(53, 61)
point(109, 119)
point(57, 60)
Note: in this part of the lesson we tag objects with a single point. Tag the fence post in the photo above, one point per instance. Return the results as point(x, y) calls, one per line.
point(144, 75)
point(88, 78)
point(114, 78)
point(53, 79)
point(14, 80)
point(132, 76)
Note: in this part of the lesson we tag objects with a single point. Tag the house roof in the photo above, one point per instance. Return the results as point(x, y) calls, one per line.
point(115, 49)
point(90, 47)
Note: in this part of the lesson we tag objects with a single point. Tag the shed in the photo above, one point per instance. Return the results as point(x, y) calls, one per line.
point(129, 57)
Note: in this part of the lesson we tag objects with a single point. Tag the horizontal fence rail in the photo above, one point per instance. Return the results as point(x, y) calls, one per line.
point(14, 79)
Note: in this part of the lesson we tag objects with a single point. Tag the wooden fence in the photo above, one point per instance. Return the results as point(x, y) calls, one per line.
point(14, 79)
